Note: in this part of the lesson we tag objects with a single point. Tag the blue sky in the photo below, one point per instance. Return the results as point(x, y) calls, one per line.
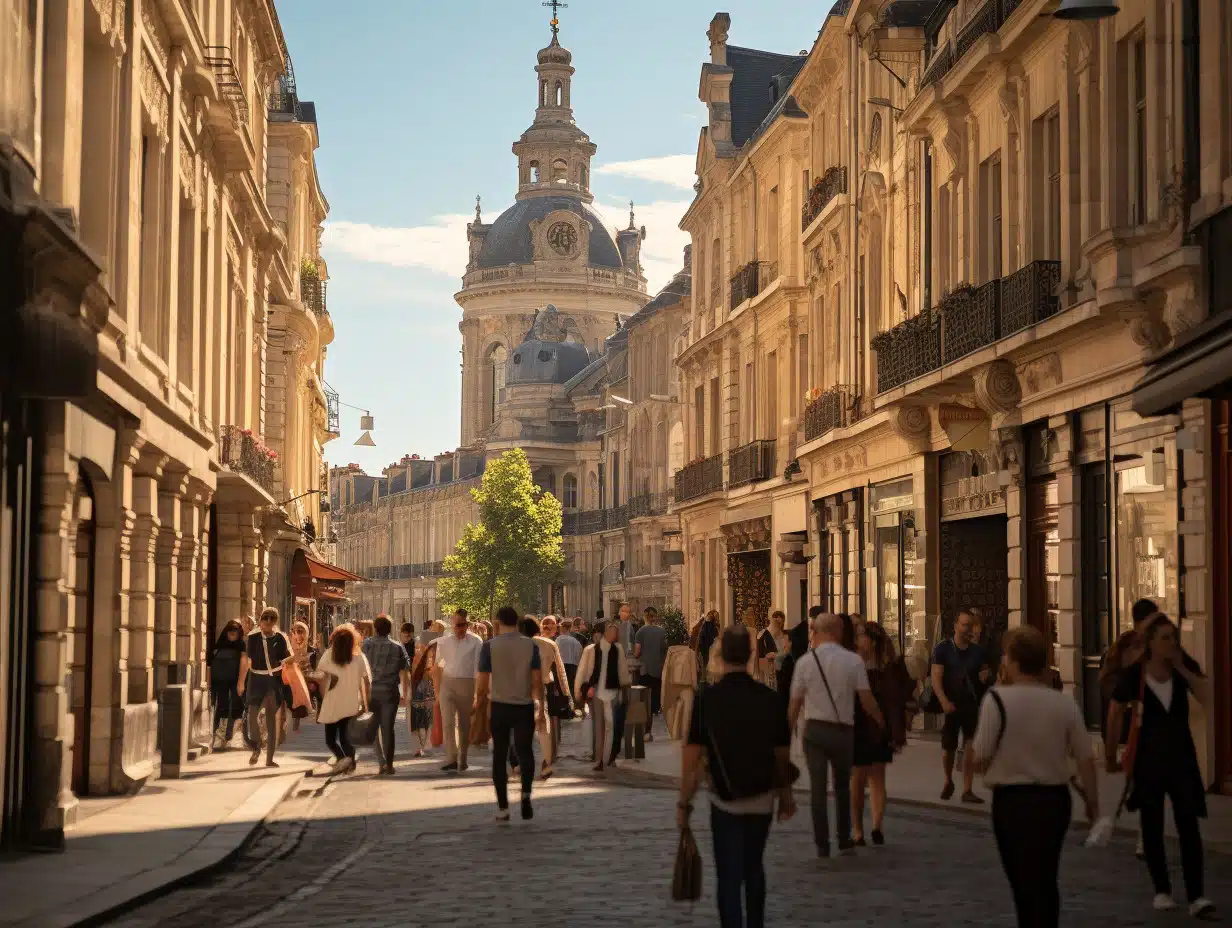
point(418, 105)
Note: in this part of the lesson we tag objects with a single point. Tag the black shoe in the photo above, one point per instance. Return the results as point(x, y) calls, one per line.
point(860, 842)
point(972, 799)
point(878, 837)
point(387, 770)
point(846, 847)
point(823, 852)
point(527, 811)
point(450, 767)
point(948, 790)
point(462, 768)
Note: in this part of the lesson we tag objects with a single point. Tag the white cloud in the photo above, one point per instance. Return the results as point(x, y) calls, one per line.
point(663, 250)
point(674, 170)
point(439, 246)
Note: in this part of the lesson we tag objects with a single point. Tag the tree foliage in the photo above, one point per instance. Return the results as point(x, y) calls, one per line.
point(675, 627)
point(513, 552)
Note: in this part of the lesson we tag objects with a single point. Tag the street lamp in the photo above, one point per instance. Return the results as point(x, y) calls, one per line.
point(1086, 9)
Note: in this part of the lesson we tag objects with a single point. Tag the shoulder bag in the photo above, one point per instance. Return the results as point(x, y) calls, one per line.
point(996, 746)
point(362, 730)
point(821, 670)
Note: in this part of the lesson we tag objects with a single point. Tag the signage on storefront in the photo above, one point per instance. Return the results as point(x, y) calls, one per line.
point(983, 502)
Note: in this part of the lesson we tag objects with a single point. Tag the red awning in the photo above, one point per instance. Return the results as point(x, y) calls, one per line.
point(322, 571)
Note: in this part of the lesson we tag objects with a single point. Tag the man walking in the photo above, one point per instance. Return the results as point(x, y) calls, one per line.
point(261, 684)
point(510, 676)
point(650, 647)
point(740, 725)
point(959, 674)
point(624, 632)
point(825, 686)
point(457, 662)
point(570, 652)
point(391, 676)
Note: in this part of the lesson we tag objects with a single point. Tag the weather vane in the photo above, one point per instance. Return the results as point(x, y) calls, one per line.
point(556, 6)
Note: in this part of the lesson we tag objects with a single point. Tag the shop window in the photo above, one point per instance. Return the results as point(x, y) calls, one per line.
point(570, 492)
point(1145, 537)
point(1043, 557)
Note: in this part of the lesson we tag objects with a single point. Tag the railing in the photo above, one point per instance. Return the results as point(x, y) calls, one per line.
point(649, 504)
point(938, 66)
point(612, 574)
point(968, 319)
point(824, 189)
point(750, 463)
point(423, 571)
point(218, 59)
point(312, 292)
point(744, 285)
point(242, 453)
point(283, 97)
point(699, 478)
point(988, 18)
point(333, 413)
point(835, 408)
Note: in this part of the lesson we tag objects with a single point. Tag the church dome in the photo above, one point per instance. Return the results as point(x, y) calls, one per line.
point(508, 240)
point(544, 356)
point(555, 53)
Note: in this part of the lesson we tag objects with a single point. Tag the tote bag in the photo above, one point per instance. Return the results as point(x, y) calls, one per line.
point(687, 873)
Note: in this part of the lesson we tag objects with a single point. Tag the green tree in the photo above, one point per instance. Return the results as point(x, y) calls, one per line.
point(675, 627)
point(513, 551)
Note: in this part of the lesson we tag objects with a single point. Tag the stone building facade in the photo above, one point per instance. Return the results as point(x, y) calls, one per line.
point(1003, 219)
point(153, 484)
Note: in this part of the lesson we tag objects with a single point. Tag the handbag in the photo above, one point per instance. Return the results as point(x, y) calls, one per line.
point(361, 730)
point(293, 678)
point(559, 705)
point(687, 873)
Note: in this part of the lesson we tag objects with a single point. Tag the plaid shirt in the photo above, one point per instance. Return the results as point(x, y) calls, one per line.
point(388, 659)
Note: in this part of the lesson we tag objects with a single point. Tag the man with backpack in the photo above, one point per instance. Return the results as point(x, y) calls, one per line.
point(739, 723)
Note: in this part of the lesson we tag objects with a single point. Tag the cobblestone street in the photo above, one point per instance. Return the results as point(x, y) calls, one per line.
point(422, 849)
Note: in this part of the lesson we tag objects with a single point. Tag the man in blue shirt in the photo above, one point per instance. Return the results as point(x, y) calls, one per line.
point(960, 673)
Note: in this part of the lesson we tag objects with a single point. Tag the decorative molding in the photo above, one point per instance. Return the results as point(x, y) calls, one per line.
point(188, 174)
point(154, 95)
point(912, 423)
point(155, 32)
point(1006, 445)
point(1039, 374)
point(997, 390)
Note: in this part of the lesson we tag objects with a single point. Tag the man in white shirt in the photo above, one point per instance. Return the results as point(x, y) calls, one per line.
point(825, 685)
point(457, 662)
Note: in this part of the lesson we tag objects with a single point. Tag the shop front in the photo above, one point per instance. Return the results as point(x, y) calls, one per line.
point(748, 569)
point(319, 593)
point(840, 551)
point(898, 603)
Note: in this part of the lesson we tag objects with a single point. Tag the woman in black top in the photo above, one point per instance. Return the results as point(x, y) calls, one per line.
point(224, 677)
point(1166, 761)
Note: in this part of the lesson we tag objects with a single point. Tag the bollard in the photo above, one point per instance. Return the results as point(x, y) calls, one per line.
point(637, 718)
point(175, 726)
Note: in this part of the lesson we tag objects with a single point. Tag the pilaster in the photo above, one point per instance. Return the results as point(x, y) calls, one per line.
point(172, 488)
point(144, 477)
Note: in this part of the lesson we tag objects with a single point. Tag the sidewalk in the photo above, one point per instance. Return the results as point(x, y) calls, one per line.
point(915, 778)
point(125, 848)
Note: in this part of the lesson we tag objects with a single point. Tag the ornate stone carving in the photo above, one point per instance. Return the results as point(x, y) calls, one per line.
point(154, 95)
point(1085, 37)
point(912, 423)
point(997, 390)
point(155, 32)
point(1006, 445)
point(1007, 97)
point(1145, 319)
point(1040, 373)
point(188, 176)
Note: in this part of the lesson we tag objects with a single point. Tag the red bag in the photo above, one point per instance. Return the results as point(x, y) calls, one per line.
point(438, 727)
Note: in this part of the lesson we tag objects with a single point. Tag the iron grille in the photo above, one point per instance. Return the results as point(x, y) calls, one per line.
point(312, 292)
point(218, 59)
point(837, 407)
point(750, 463)
point(699, 478)
point(972, 319)
point(1029, 295)
point(744, 285)
point(824, 189)
point(242, 453)
point(985, 20)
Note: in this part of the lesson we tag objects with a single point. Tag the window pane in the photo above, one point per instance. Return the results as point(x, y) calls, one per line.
point(889, 578)
point(1145, 564)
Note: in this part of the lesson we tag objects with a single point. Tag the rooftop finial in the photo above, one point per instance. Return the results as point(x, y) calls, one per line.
point(632, 223)
point(556, 6)
point(478, 215)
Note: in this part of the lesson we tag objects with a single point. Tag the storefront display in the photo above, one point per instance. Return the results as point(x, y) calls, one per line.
point(899, 598)
point(1145, 537)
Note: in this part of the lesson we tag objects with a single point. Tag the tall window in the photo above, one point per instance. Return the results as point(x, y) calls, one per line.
point(926, 221)
point(570, 500)
point(771, 428)
point(750, 397)
point(699, 421)
point(560, 171)
point(990, 216)
point(1047, 130)
point(1137, 128)
point(716, 440)
point(615, 478)
point(498, 362)
point(943, 236)
point(802, 371)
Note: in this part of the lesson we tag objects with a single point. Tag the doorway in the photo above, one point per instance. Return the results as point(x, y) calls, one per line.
point(974, 573)
point(81, 667)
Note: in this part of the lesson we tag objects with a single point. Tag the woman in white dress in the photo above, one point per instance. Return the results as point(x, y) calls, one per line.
point(345, 679)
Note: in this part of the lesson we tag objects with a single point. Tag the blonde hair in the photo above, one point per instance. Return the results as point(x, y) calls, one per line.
point(366, 628)
point(300, 626)
point(438, 626)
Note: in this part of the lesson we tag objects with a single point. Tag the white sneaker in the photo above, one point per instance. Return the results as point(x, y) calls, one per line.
point(502, 816)
point(1201, 907)
point(1163, 903)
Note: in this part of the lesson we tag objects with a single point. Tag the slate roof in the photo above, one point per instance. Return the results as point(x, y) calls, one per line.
point(681, 285)
point(307, 111)
point(750, 87)
point(508, 239)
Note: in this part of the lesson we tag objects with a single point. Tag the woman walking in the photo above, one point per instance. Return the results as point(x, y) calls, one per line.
point(1025, 737)
point(1165, 762)
point(347, 680)
point(875, 746)
point(602, 677)
point(305, 657)
point(224, 678)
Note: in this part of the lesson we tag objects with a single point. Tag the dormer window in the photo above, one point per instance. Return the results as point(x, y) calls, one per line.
point(774, 90)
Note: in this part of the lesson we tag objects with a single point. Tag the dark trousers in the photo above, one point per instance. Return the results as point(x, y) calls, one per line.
point(269, 704)
point(337, 739)
point(655, 685)
point(571, 676)
point(1151, 813)
point(516, 722)
point(227, 706)
point(739, 843)
point(827, 746)
point(1029, 823)
point(386, 711)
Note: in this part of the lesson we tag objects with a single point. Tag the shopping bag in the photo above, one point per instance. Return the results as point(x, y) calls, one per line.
point(293, 677)
point(687, 874)
point(438, 727)
point(361, 730)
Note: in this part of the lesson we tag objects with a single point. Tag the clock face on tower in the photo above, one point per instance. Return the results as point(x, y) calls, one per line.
point(563, 239)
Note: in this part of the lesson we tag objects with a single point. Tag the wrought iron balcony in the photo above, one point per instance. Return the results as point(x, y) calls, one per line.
point(986, 19)
point(243, 453)
point(283, 98)
point(835, 408)
point(751, 463)
point(312, 291)
point(745, 283)
point(218, 59)
point(824, 189)
point(649, 504)
point(968, 319)
point(699, 478)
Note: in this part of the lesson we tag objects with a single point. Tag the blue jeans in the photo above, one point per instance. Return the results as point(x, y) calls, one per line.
point(739, 843)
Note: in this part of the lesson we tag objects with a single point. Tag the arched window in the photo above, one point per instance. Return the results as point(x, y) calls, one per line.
point(560, 171)
point(543, 93)
point(560, 94)
point(570, 492)
point(534, 172)
point(584, 177)
point(498, 359)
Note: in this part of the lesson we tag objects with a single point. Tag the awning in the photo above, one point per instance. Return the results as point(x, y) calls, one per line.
point(319, 570)
point(1199, 365)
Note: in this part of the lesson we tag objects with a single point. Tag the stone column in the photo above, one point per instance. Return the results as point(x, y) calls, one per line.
point(142, 581)
point(1069, 585)
point(1007, 442)
point(171, 491)
point(231, 544)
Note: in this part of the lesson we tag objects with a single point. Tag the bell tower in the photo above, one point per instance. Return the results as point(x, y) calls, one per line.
point(554, 154)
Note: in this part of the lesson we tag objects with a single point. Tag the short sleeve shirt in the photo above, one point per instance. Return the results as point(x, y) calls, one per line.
point(653, 641)
point(961, 671)
point(510, 658)
point(388, 659)
point(844, 672)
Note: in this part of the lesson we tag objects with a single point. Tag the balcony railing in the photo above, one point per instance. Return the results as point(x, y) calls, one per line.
point(242, 453)
point(986, 19)
point(333, 413)
point(312, 292)
point(744, 285)
point(835, 408)
point(824, 189)
point(968, 319)
point(699, 478)
point(751, 463)
point(649, 504)
point(283, 98)
point(593, 521)
point(218, 59)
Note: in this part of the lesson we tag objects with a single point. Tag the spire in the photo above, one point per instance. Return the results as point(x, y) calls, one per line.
point(478, 214)
point(556, 6)
point(632, 222)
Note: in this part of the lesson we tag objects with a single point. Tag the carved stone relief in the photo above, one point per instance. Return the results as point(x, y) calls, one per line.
point(1040, 373)
point(997, 390)
point(154, 95)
